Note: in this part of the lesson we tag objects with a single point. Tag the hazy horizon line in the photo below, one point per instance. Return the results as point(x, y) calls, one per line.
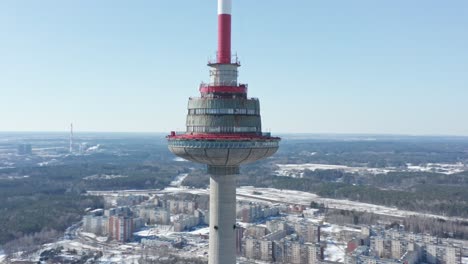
point(276, 133)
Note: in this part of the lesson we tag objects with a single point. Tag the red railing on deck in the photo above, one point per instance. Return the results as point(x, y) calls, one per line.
point(206, 88)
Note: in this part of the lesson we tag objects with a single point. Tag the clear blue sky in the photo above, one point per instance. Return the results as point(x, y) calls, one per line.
point(360, 66)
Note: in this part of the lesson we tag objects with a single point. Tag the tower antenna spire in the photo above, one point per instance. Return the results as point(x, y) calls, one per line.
point(224, 31)
point(224, 131)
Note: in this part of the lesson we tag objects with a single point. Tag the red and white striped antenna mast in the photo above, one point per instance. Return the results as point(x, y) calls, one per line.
point(224, 31)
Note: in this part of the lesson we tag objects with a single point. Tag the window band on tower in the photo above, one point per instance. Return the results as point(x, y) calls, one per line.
point(221, 129)
point(223, 111)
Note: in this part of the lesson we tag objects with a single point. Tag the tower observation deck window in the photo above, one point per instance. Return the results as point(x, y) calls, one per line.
point(210, 129)
point(223, 111)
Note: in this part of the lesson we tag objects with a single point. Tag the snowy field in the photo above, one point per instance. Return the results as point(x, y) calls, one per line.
point(304, 198)
point(335, 229)
point(444, 168)
point(94, 237)
point(297, 170)
point(104, 177)
point(201, 231)
point(88, 243)
point(177, 182)
point(155, 231)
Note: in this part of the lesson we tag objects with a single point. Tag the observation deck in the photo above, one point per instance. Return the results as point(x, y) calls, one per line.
point(223, 149)
point(223, 131)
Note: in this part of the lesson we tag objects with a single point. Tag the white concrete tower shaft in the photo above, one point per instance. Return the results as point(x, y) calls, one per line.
point(222, 219)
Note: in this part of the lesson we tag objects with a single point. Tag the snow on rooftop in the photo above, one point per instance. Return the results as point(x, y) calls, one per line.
point(334, 252)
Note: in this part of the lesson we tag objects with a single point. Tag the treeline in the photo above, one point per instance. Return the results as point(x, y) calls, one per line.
point(442, 200)
point(21, 216)
point(135, 177)
point(30, 242)
point(376, 154)
point(50, 198)
point(405, 180)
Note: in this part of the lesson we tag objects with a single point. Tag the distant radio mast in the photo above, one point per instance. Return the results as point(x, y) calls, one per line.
point(71, 138)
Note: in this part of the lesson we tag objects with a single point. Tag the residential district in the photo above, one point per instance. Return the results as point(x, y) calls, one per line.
point(266, 232)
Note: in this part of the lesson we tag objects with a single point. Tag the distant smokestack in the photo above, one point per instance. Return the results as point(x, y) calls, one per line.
point(71, 137)
point(224, 31)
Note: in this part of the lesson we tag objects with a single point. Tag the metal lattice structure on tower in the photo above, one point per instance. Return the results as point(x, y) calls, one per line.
point(223, 131)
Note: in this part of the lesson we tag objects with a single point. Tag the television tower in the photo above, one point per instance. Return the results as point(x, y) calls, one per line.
point(223, 131)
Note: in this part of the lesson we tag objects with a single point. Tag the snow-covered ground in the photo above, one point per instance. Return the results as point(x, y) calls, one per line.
point(334, 252)
point(177, 182)
point(2, 257)
point(304, 198)
point(104, 177)
point(297, 170)
point(335, 248)
point(334, 229)
point(201, 231)
point(13, 177)
point(93, 148)
point(85, 243)
point(155, 231)
point(444, 168)
point(94, 237)
point(465, 260)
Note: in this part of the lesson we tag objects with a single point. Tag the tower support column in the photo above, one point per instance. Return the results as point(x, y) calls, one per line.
point(222, 247)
